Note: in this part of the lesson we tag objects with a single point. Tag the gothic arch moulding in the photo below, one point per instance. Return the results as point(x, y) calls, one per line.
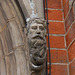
point(13, 59)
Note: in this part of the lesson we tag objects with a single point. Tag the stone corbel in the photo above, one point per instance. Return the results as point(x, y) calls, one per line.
point(36, 33)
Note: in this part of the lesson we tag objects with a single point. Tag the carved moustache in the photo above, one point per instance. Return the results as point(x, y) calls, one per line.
point(37, 37)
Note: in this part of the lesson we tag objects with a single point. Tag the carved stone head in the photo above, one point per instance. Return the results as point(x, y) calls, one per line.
point(37, 41)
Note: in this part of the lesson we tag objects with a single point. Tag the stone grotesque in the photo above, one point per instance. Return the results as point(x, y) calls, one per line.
point(36, 33)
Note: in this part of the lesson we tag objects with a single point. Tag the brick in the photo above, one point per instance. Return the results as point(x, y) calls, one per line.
point(51, 52)
point(71, 52)
point(66, 9)
point(72, 68)
point(54, 4)
point(56, 42)
point(57, 56)
point(69, 19)
point(59, 70)
point(64, 2)
point(70, 35)
point(55, 15)
point(56, 28)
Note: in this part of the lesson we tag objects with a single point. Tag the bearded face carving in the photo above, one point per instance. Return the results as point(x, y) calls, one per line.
point(37, 43)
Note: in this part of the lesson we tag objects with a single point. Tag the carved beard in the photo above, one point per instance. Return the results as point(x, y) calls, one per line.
point(37, 45)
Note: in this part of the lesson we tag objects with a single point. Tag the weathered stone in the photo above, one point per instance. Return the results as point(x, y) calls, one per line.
point(14, 51)
point(15, 33)
point(8, 39)
point(37, 44)
point(25, 5)
point(6, 10)
point(13, 64)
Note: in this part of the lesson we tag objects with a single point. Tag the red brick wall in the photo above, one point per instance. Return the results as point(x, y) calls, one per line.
point(70, 35)
point(62, 36)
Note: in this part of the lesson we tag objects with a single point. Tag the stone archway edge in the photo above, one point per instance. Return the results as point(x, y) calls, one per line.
point(16, 40)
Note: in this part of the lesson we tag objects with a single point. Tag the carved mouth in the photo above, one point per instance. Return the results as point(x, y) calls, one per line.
point(37, 37)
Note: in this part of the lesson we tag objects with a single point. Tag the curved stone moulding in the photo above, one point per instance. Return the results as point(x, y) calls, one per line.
point(2, 60)
point(15, 59)
point(16, 52)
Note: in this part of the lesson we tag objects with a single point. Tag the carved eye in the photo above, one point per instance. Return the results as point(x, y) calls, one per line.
point(41, 28)
point(34, 27)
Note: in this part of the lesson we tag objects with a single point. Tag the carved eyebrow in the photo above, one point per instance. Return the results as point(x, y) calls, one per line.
point(41, 27)
point(34, 27)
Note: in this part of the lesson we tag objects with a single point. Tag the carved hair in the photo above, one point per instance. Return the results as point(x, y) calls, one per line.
point(36, 20)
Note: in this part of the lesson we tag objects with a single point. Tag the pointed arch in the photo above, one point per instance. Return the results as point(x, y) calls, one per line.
point(12, 39)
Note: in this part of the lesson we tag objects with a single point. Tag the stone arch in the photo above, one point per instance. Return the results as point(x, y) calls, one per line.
point(12, 39)
point(2, 60)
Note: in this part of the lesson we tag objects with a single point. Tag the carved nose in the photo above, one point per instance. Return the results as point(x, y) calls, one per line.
point(38, 32)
